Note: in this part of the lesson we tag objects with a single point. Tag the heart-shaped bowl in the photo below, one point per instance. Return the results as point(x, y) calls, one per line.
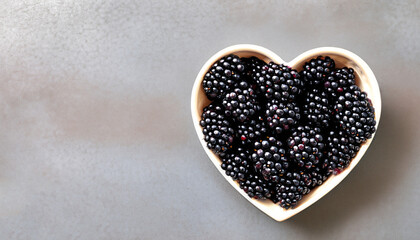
point(365, 79)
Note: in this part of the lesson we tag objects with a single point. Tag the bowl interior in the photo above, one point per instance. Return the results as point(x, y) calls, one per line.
point(364, 79)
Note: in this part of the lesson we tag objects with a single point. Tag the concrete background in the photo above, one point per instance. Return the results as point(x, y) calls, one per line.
point(96, 137)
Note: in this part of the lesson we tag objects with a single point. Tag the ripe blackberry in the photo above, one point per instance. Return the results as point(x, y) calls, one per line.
point(290, 190)
point(355, 114)
point(305, 146)
point(269, 159)
point(282, 116)
point(241, 103)
point(341, 149)
point(255, 186)
point(307, 179)
point(317, 70)
point(316, 108)
point(222, 76)
point(316, 176)
point(236, 163)
point(217, 130)
point(279, 82)
point(339, 81)
point(251, 130)
point(253, 67)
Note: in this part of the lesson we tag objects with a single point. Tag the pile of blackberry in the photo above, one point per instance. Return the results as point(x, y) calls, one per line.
point(279, 132)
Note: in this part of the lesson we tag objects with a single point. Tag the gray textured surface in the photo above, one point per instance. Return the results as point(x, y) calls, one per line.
point(97, 142)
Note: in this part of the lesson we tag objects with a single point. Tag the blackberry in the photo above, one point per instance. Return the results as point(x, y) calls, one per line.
point(316, 176)
point(317, 70)
point(305, 146)
point(316, 108)
point(339, 81)
point(241, 103)
point(217, 130)
point(255, 186)
point(279, 82)
point(236, 163)
point(249, 131)
point(355, 114)
point(282, 116)
point(222, 76)
point(290, 190)
point(253, 67)
point(307, 180)
point(341, 150)
point(269, 159)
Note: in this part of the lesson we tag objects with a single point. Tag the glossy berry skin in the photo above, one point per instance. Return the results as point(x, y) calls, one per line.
point(236, 163)
point(241, 103)
point(316, 71)
point(249, 131)
point(217, 130)
point(256, 187)
point(316, 108)
point(355, 114)
point(222, 76)
point(269, 159)
point(290, 189)
point(341, 149)
point(281, 116)
point(305, 146)
point(338, 82)
point(279, 82)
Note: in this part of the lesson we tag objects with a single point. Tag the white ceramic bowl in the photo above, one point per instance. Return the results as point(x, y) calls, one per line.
point(365, 79)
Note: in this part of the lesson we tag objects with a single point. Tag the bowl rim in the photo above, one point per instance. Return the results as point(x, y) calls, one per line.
point(265, 206)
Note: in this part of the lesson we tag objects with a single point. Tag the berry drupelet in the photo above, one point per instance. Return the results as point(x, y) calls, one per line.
point(290, 189)
point(249, 131)
point(236, 163)
point(269, 159)
point(281, 116)
point(241, 103)
point(305, 146)
point(255, 186)
point(279, 82)
point(222, 76)
point(316, 71)
point(217, 130)
point(316, 108)
point(355, 114)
